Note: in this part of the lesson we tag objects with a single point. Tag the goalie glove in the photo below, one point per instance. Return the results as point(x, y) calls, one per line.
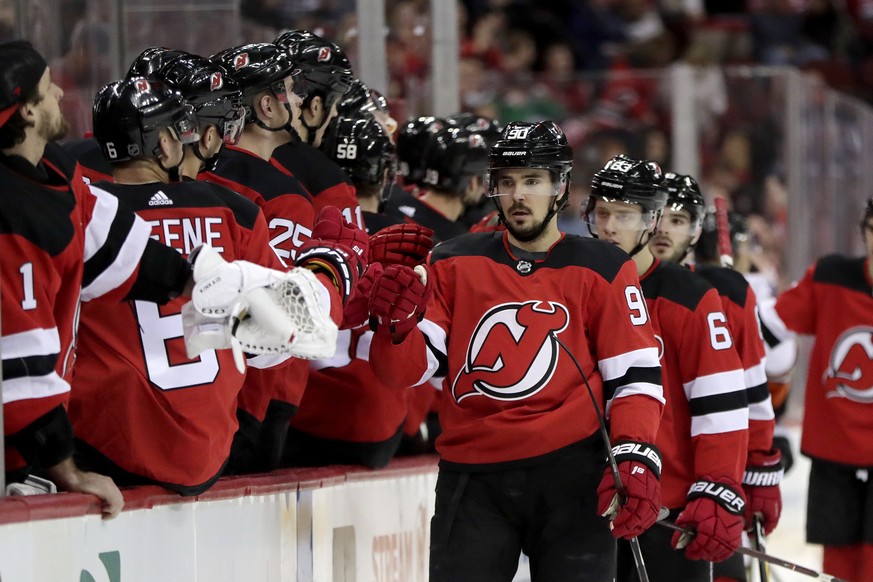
point(401, 244)
point(639, 467)
point(715, 513)
point(761, 482)
point(337, 248)
point(262, 310)
point(399, 299)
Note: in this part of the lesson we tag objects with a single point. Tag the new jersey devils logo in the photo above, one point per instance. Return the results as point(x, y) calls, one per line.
point(216, 82)
point(513, 352)
point(323, 55)
point(850, 374)
point(240, 61)
point(142, 86)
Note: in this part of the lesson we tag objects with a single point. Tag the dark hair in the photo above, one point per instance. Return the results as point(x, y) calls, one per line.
point(12, 132)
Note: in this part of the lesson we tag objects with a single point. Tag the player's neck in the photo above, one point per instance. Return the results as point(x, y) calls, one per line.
point(368, 203)
point(31, 149)
point(644, 260)
point(450, 206)
point(139, 172)
point(261, 142)
point(542, 243)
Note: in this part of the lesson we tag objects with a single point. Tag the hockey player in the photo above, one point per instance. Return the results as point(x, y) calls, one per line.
point(326, 74)
point(347, 416)
point(678, 232)
point(704, 433)
point(173, 422)
point(62, 243)
point(833, 302)
point(521, 450)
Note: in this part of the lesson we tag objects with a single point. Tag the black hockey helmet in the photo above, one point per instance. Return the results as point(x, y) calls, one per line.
point(452, 157)
point(152, 60)
point(525, 144)
point(324, 66)
point(359, 97)
point(129, 115)
point(215, 95)
point(488, 128)
point(259, 67)
point(623, 179)
point(706, 250)
point(412, 139)
point(362, 149)
point(683, 193)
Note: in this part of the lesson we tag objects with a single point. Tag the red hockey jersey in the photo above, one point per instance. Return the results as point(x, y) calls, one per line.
point(59, 243)
point(741, 308)
point(137, 398)
point(704, 430)
point(834, 303)
point(492, 330)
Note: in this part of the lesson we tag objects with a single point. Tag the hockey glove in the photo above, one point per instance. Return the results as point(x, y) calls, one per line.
point(761, 486)
point(356, 312)
point(399, 298)
point(337, 248)
point(715, 513)
point(401, 244)
point(639, 466)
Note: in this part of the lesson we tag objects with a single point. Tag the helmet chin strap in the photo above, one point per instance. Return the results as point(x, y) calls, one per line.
point(173, 171)
point(210, 162)
point(641, 244)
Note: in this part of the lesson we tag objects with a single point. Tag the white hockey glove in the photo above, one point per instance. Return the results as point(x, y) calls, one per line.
point(257, 310)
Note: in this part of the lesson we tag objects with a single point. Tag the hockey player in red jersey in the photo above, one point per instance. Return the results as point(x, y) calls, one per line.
point(704, 433)
point(61, 244)
point(678, 232)
point(173, 422)
point(521, 452)
point(833, 302)
point(326, 75)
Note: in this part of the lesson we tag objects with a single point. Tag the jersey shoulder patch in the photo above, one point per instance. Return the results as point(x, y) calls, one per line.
point(842, 271)
point(677, 284)
point(727, 282)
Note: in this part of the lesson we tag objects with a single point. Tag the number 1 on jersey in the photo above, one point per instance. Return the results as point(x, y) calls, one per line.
point(29, 301)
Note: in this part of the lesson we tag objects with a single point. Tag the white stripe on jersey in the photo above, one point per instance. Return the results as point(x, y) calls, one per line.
point(34, 342)
point(762, 410)
point(634, 390)
point(719, 422)
point(755, 376)
point(437, 338)
point(341, 357)
point(96, 235)
point(28, 387)
point(771, 320)
point(618, 366)
point(713, 384)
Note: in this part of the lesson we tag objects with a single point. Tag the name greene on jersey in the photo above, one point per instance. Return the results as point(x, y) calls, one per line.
point(187, 233)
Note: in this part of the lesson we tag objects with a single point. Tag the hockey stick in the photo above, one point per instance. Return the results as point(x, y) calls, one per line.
point(760, 556)
point(725, 251)
point(758, 544)
point(613, 466)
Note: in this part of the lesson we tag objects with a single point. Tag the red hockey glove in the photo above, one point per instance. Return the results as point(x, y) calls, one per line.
point(332, 236)
point(490, 223)
point(401, 244)
point(639, 466)
point(356, 311)
point(761, 486)
point(715, 512)
point(398, 299)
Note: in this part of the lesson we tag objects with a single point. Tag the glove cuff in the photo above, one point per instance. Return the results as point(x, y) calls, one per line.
point(332, 262)
point(766, 476)
point(645, 453)
point(730, 498)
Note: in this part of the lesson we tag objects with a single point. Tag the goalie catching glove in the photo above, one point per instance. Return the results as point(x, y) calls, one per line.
point(256, 310)
point(639, 467)
point(401, 244)
point(399, 298)
point(715, 513)
point(337, 248)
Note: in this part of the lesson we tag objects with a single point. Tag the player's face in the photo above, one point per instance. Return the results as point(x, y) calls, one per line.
point(525, 196)
point(675, 233)
point(618, 223)
point(50, 124)
point(294, 100)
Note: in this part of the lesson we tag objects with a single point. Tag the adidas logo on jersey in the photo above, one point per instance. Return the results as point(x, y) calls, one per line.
point(160, 199)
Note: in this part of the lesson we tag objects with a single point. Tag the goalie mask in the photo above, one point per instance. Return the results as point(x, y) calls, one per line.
point(128, 117)
point(363, 150)
point(541, 145)
point(632, 182)
point(681, 222)
point(262, 67)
